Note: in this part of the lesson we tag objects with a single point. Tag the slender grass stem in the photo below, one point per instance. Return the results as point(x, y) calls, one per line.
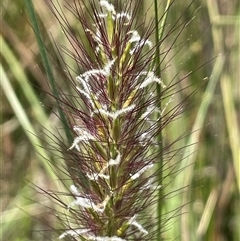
point(47, 66)
point(158, 36)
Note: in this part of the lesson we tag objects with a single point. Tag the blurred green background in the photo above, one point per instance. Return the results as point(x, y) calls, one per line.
point(212, 177)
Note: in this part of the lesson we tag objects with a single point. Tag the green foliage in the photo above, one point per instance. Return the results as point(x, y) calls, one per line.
point(210, 167)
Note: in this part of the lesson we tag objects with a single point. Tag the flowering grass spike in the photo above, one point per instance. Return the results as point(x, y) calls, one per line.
point(116, 119)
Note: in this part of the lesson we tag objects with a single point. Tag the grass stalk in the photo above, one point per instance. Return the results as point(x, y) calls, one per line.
point(159, 30)
point(47, 65)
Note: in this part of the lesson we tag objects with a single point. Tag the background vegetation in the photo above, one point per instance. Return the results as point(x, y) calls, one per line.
point(212, 177)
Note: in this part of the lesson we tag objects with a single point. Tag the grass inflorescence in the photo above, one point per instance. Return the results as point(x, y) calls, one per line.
point(197, 174)
point(117, 108)
point(116, 161)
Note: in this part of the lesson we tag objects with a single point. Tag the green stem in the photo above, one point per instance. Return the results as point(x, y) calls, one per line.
point(42, 50)
point(157, 62)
